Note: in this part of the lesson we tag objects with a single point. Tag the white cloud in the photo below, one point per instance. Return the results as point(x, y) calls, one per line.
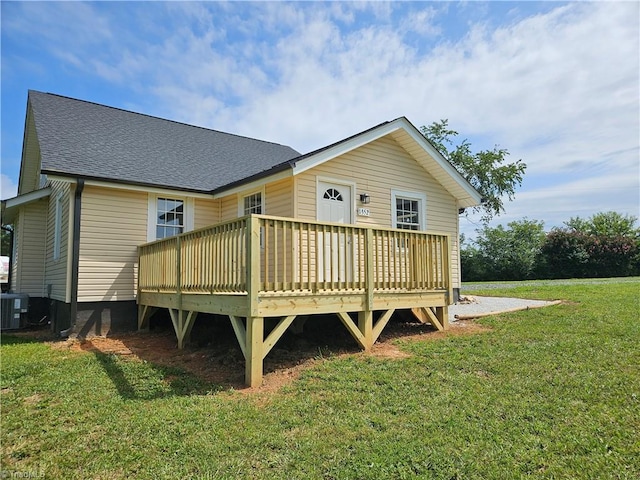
point(8, 188)
point(559, 89)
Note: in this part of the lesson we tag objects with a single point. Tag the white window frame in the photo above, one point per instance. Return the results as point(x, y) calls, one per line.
point(57, 226)
point(248, 193)
point(152, 213)
point(422, 207)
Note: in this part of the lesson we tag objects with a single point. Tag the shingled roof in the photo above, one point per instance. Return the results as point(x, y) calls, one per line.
point(89, 140)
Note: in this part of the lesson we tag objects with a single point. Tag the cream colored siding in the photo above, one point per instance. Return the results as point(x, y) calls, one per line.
point(16, 254)
point(56, 270)
point(378, 168)
point(228, 208)
point(30, 167)
point(32, 234)
point(113, 224)
point(279, 198)
point(207, 212)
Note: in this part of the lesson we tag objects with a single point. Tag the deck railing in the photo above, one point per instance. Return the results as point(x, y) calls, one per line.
point(271, 255)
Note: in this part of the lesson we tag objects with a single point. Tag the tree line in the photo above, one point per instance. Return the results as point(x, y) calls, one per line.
point(607, 244)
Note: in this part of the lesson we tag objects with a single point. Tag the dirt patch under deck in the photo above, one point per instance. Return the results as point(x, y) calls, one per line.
point(220, 361)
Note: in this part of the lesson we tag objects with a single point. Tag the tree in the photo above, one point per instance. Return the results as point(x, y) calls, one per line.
point(505, 253)
point(5, 249)
point(487, 170)
point(607, 244)
point(605, 223)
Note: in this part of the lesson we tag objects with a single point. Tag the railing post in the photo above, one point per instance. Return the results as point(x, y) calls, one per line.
point(369, 278)
point(447, 266)
point(253, 264)
point(179, 271)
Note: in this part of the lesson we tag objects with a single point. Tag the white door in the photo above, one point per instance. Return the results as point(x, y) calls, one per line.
point(334, 255)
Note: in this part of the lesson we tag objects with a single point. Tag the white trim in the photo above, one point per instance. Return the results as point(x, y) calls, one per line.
point(242, 195)
point(152, 205)
point(403, 124)
point(441, 161)
point(27, 197)
point(344, 147)
point(337, 181)
point(422, 207)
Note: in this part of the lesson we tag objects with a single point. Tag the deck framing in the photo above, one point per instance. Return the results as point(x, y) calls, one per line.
point(271, 270)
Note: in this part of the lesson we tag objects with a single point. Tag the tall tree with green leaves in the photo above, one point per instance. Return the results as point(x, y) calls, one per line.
point(487, 170)
point(5, 247)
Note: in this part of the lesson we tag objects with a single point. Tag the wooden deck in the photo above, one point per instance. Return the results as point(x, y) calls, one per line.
point(260, 266)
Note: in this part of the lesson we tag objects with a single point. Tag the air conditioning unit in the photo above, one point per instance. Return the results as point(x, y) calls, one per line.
point(14, 308)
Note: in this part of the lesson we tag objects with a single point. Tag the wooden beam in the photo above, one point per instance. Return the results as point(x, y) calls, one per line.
point(276, 333)
point(433, 319)
point(144, 314)
point(254, 356)
point(381, 323)
point(365, 325)
point(241, 333)
point(353, 329)
point(443, 316)
point(182, 325)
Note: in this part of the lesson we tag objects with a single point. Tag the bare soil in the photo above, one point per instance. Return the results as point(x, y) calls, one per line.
point(214, 355)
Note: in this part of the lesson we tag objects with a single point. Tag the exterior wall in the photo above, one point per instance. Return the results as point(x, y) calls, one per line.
point(114, 222)
point(377, 169)
point(30, 237)
point(56, 269)
point(207, 212)
point(112, 225)
point(279, 198)
point(278, 201)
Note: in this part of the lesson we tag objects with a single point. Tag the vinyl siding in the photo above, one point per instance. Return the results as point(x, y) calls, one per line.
point(207, 212)
point(29, 268)
point(279, 198)
point(377, 169)
point(56, 269)
point(113, 224)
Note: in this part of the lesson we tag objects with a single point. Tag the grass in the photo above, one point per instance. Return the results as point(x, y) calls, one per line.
point(549, 393)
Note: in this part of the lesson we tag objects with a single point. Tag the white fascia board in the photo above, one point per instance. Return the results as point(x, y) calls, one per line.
point(442, 162)
point(136, 188)
point(27, 197)
point(342, 148)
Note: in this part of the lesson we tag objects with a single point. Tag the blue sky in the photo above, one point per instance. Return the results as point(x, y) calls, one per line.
point(557, 84)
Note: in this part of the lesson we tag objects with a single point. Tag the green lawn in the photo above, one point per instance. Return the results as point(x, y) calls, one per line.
point(548, 393)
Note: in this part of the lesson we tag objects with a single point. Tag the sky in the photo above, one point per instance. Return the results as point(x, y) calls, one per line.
point(556, 84)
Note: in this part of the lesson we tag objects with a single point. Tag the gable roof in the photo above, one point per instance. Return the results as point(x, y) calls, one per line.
point(85, 139)
point(417, 146)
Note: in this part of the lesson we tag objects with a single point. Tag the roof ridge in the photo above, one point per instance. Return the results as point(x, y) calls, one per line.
point(157, 118)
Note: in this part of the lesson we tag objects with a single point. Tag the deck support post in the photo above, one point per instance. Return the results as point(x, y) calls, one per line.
point(442, 313)
point(182, 323)
point(381, 323)
point(365, 325)
point(438, 318)
point(253, 351)
point(144, 313)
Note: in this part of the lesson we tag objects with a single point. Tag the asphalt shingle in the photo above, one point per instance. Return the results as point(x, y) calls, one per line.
point(95, 141)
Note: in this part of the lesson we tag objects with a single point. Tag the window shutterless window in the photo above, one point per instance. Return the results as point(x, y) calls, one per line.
point(169, 217)
point(253, 203)
point(408, 210)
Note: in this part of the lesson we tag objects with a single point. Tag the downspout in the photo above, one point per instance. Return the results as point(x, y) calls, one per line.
point(7, 228)
point(75, 256)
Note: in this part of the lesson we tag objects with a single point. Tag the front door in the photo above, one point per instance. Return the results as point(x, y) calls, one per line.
point(335, 255)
